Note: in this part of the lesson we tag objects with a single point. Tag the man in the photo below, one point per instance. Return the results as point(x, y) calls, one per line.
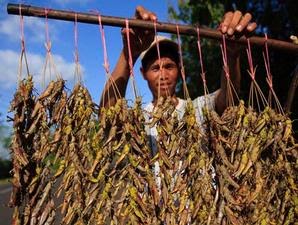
point(161, 70)
point(162, 79)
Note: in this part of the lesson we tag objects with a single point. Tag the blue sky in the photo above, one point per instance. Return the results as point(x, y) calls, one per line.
point(62, 38)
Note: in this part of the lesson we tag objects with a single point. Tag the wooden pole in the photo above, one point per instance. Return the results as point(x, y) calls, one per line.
point(27, 10)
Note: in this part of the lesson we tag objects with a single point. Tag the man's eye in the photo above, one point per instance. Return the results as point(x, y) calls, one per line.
point(155, 68)
point(170, 66)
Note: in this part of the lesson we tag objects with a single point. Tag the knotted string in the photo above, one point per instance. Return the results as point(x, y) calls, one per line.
point(48, 49)
point(255, 90)
point(77, 74)
point(229, 86)
point(106, 64)
point(23, 49)
point(267, 63)
point(130, 61)
point(157, 43)
point(182, 70)
point(103, 39)
point(48, 45)
point(269, 79)
point(223, 48)
point(161, 74)
point(203, 74)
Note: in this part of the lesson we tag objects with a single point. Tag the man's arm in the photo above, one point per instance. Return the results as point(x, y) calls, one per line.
point(233, 23)
point(117, 83)
point(140, 39)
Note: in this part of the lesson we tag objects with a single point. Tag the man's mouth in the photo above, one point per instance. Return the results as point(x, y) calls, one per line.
point(164, 85)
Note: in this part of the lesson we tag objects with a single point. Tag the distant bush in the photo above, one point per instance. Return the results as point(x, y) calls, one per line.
point(5, 168)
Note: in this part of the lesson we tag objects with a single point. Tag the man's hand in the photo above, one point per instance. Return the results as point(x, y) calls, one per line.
point(236, 24)
point(140, 39)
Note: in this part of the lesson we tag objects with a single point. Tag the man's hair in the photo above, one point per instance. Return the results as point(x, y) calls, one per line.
point(165, 49)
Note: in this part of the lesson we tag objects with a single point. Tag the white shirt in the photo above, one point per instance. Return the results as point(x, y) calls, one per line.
point(199, 103)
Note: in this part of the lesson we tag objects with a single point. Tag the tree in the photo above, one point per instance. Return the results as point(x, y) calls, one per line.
point(5, 135)
point(202, 13)
point(5, 139)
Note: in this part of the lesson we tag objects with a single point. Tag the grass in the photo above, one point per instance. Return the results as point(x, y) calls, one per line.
point(5, 180)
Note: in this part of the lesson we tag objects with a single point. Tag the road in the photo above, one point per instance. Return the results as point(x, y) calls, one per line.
point(5, 212)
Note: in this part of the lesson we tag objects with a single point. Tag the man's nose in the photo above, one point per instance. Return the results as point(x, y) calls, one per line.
point(163, 74)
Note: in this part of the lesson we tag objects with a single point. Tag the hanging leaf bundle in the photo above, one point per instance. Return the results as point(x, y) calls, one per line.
point(77, 163)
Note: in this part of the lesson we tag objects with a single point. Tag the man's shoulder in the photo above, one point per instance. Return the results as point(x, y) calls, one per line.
point(208, 96)
point(208, 99)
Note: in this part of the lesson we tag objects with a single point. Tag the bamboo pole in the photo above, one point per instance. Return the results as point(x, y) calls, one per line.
point(28, 10)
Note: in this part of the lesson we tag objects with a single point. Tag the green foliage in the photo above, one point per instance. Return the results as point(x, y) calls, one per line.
point(5, 133)
point(5, 168)
point(278, 18)
point(5, 140)
point(5, 164)
point(5, 136)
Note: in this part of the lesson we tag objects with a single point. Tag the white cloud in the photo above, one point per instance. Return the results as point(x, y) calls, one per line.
point(33, 28)
point(9, 61)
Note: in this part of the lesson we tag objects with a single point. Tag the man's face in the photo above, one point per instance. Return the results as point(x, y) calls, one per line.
point(161, 77)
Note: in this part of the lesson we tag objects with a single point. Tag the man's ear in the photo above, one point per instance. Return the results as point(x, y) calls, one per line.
point(143, 73)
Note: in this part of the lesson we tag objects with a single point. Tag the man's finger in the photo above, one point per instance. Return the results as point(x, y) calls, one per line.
point(252, 26)
point(226, 22)
point(142, 13)
point(236, 18)
point(244, 22)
